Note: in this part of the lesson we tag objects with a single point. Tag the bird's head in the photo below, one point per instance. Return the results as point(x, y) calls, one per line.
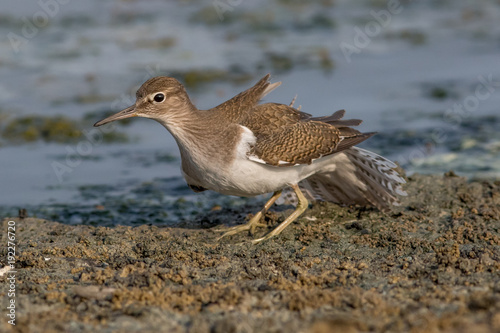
point(161, 98)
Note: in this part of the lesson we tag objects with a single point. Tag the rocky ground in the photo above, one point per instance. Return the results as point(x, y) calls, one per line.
point(431, 266)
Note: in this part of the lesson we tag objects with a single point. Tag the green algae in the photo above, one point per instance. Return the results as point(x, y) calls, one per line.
point(34, 128)
point(197, 77)
point(264, 20)
point(58, 129)
point(280, 62)
point(439, 93)
point(413, 37)
point(157, 43)
point(193, 78)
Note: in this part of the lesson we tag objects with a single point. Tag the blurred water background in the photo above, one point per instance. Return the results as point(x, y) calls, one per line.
point(424, 74)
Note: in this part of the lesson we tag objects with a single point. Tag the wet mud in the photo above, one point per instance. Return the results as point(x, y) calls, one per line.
point(433, 265)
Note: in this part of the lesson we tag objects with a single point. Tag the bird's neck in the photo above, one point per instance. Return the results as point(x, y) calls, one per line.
point(187, 126)
point(196, 131)
point(206, 142)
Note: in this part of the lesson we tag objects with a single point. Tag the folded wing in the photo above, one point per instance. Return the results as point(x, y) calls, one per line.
point(302, 143)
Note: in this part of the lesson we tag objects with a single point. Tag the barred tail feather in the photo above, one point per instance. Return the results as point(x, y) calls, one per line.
point(358, 177)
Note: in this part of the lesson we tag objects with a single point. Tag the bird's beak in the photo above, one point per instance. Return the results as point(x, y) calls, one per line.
point(127, 113)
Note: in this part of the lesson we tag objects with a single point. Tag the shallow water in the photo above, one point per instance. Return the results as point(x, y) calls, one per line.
point(89, 59)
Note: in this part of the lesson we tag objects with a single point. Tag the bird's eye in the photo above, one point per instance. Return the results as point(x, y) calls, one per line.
point(159, 98)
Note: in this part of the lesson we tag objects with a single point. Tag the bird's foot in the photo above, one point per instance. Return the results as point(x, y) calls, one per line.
point(270, 234)
point(250, 226)
point(239, 228)
point(260, 240)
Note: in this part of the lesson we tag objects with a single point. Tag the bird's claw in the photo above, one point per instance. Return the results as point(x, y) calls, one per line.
point(239, 228)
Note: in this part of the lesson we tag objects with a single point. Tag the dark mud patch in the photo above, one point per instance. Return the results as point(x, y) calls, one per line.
point(433, 265)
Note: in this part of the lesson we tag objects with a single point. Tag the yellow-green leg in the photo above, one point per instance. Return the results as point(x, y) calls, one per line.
point(301, 207)
point(254, 221)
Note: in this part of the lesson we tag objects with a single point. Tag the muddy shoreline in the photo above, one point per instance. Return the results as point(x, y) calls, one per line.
point(432, 265)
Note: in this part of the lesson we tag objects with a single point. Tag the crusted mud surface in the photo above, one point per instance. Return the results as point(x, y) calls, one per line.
point(431, 266)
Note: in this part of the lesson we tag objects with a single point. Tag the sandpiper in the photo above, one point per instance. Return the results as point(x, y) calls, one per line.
point(245, 148)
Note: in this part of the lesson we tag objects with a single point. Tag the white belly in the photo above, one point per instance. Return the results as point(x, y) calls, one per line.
point(248, 178)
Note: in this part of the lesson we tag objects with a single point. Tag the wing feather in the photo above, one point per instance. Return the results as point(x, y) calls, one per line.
point(302, 143)
point(237, 107)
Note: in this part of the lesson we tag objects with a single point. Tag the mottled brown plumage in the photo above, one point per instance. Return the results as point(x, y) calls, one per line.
point(286, 136)
point(160, 83)
point(237, 107)
point(245, 148)
point(300, 143)
point(263, 119)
